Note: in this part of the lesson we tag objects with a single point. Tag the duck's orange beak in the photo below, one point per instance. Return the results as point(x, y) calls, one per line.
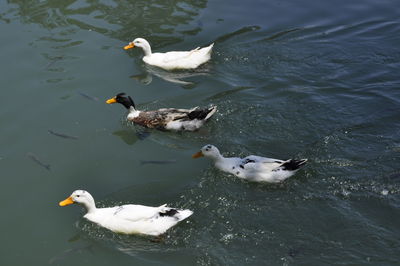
point(197, 155)
point(112, 100)
point(67, 201)
point(129, 46)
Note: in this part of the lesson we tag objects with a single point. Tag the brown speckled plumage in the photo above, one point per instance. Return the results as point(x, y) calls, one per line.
point(165, 118)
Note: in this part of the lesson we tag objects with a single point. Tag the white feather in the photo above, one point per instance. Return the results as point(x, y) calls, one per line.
point(130, 219)
point(174, 59)
point(252, 168)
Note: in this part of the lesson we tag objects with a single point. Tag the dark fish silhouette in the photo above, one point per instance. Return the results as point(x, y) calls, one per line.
point(295, 251)
point(75, 238)
point(87, 96)
point(127, 136)
point(143, 162)
point(394, 176)
point(36, 160)
point(55, 59)
point(69, 252)
point(61, 135)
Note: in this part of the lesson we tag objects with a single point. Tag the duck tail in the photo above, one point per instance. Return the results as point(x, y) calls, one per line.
point(209, 48)
point(211, 111)
point(183, 214)
point(292, 165)
point(205, 50)
point(178, 214)
point(202, 114)
point(168, 212)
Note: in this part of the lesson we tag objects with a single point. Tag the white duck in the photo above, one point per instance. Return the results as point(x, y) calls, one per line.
point(175, 59)
point(128, 219)
point(252, 168)
point(165, 118)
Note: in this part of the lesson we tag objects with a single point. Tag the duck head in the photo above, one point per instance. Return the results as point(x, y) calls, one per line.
point(142, 43)
point(123, 99)
point(208, 151)
point(82, 197)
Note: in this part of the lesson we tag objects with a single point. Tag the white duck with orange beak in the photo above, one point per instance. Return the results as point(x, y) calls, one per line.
point(174, 59)
point(129, 219)
point(252, 168)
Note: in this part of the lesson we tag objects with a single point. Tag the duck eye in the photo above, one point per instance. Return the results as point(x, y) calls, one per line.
point(78, 196)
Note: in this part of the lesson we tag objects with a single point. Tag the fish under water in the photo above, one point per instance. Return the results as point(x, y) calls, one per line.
point(393, 176)
point(143, 162)
point(61, 135)
point(63, 255)
point(295, 251)
point(55, 59)
point(87, 96)
point(36, 160)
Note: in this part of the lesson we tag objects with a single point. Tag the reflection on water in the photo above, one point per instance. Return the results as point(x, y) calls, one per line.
point(178, 77)
point(127, 135)
point(316, 82)
point(59, 258)
point(129, 244)
point(119, 19)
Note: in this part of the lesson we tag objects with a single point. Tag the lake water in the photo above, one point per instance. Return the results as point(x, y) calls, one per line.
point(291, 79)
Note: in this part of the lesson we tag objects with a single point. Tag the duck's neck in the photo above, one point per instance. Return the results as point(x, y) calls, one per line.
point(90, 206)
point(222, 163)
point(133, 113)
point(146, 49)
point(129, 105)
point(217, 158)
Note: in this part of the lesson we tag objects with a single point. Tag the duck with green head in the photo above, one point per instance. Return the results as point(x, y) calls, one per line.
point(165, 118)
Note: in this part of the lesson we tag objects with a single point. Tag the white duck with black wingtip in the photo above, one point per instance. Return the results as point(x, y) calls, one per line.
point(252, 168)
point(129, 219)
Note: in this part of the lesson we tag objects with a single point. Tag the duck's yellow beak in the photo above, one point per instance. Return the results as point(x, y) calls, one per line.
point(67, 201)
point(197, 155)
point(129, 46)
point(112, 100)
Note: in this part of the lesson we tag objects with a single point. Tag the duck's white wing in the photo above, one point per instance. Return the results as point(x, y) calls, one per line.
point(263, 159)
point(171, 57)
point(136, 212)
point(258, 163)
point(180, 59)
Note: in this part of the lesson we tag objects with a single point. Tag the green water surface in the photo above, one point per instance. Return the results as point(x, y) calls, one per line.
point(302, 79)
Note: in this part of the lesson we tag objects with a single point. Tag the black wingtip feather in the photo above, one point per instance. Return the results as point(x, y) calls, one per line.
point(170, 212)
point(200, 113)
point(292, 165)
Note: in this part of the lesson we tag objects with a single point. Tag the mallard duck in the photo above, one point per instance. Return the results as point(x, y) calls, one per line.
point(128, 219)
point(166, 118)
point(252, 168)
point(175, 59)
